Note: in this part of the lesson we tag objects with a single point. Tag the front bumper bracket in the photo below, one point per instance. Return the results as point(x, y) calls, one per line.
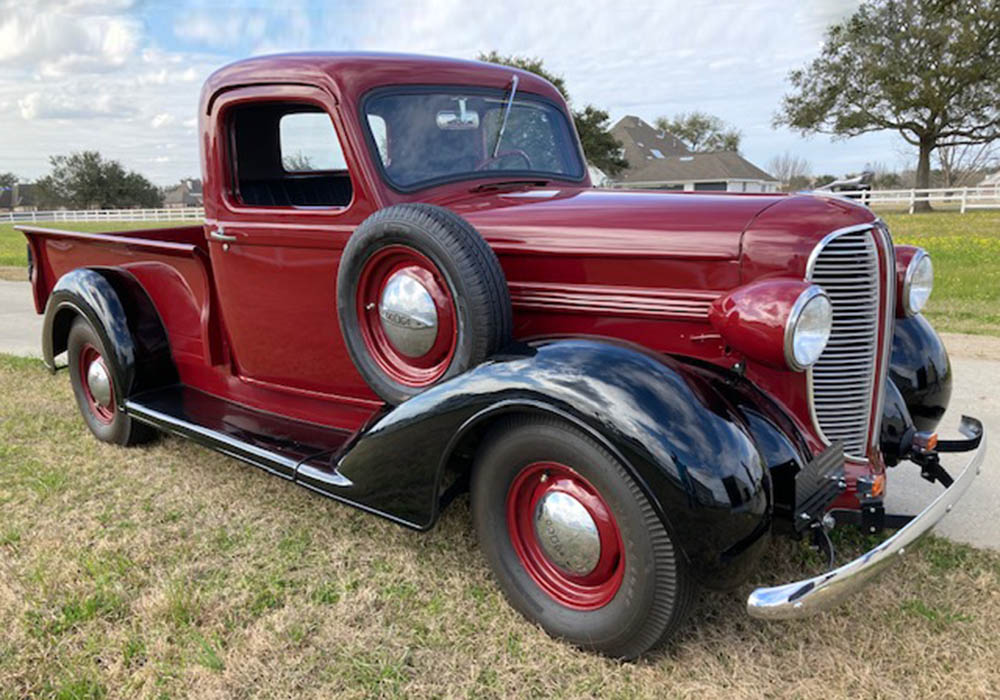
point(809, 596)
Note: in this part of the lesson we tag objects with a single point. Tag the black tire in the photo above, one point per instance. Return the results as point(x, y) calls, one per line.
point(120, 429)
point(656, 593)
point(474, 278)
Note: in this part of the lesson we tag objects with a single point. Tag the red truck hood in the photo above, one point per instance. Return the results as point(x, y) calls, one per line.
point(591, 221)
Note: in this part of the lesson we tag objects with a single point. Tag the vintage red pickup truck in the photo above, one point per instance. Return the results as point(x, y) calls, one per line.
point(406, 287)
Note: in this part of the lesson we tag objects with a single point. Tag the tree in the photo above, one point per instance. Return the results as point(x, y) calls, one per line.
point(702, 132)
point(601, 148)
point(297, 162)
point(791, 170)
point(84, 180)
point(962, 166)
point(8, 180)
point(924, 68)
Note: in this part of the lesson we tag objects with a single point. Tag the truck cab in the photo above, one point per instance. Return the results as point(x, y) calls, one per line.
point(406, 288)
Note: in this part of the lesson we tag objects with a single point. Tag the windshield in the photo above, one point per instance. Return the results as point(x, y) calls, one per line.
point(426, 136)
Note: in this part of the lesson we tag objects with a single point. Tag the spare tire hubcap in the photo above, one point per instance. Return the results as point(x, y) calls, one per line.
point(408, 315)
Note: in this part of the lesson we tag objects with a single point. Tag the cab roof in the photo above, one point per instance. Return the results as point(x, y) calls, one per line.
point(350, 75)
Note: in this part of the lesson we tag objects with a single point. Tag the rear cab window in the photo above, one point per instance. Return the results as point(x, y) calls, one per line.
point(287, 155)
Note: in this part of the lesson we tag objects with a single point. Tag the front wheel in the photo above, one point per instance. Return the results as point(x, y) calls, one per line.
point(573, 542)
point(92, 378)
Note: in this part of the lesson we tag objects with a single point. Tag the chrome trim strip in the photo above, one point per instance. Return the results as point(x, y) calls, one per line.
point(809, 596)
point(888, 329)
point(625, 301)
point(811, 263)
point(810, 385)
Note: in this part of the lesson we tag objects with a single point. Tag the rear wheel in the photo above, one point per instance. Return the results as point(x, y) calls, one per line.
point(573, 542)
point(92, 377)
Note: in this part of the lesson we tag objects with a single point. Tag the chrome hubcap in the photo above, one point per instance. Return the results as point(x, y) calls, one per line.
point(99, 383)
point(567, 533)
point(408, 315)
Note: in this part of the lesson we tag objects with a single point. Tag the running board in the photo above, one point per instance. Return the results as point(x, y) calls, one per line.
point(287, 448)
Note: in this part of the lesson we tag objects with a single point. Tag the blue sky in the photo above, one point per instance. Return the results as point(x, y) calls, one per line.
point(122, 76)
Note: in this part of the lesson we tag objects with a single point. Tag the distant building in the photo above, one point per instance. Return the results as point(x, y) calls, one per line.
point(660, 161)
point(185, 194)
point(597, 176)
point(18, 197)
point(991, 180)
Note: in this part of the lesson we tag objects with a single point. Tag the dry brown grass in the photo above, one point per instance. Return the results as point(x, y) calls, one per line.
point(172, 571)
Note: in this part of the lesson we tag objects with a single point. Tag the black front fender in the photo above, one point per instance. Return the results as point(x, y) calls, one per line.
point(921, 371)
point(678, 435)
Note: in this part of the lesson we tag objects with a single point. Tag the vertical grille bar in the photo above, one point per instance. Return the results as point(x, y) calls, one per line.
point(842, 382)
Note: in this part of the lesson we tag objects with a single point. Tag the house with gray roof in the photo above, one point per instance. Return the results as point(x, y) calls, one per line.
point(659, 160)
point(186, 194)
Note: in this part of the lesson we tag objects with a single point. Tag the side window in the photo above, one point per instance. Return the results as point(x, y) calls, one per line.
point(309, 142)
point(379, 131)
point(287, 155)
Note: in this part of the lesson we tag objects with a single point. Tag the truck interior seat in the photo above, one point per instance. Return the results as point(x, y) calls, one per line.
point(326, 190)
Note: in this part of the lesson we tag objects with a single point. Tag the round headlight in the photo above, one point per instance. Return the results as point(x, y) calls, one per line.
point(808, 328)
point(918, 283)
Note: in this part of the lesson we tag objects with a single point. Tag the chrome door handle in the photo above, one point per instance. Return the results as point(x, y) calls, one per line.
point(219, 234)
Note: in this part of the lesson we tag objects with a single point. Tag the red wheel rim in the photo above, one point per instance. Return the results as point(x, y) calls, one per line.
point(588, 591)
point(105, 413)
point(378, 270)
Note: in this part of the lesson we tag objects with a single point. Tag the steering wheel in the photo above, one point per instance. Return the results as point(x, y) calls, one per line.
point(506, 154)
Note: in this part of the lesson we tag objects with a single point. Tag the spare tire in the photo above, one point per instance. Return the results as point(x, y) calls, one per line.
point(421, 298)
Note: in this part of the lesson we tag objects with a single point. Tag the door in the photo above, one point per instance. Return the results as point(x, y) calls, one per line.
point(286, 209)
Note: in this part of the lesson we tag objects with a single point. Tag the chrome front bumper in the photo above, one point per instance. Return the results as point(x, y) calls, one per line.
point(809, 596)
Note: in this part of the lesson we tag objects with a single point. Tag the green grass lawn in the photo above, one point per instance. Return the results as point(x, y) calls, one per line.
point(13, 252)
point(965, 249)
point(172, 571)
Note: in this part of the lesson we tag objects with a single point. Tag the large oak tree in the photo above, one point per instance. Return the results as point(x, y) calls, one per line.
point(928, 69)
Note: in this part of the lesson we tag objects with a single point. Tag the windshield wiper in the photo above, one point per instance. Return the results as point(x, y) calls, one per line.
point(506, 113)
point(509, 184)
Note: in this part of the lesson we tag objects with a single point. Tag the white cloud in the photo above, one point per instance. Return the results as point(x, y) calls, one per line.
point(78, 38)
point(65, 105)
point(161, 120)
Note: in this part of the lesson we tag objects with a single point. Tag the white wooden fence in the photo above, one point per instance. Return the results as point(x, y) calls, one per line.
point(964, 198)
point(177, 214)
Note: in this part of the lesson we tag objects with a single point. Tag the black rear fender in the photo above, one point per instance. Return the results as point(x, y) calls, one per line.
point(120, 311)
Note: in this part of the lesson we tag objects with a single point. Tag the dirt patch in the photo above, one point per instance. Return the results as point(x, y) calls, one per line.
point(13, 273)
point(978, 347)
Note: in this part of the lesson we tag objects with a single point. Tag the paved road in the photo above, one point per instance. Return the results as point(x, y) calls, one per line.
point(20, 326)
point(976, 361)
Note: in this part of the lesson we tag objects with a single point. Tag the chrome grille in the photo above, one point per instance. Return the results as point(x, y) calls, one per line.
point(846, 265)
